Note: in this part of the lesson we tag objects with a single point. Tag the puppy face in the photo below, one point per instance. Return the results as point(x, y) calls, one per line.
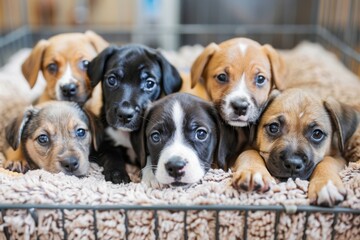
point(63, 61)
point(239, 75)
point(182, 137)
point(296, 133)
point(132, 76)
point(55, 136)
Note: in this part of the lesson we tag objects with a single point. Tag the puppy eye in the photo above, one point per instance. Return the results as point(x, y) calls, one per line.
point(273, 128)
point(111, 81)
point(80, 132)
point(150, 84)
point(155, 137)
point(317, 135)
point(222, 77)
point(260, 80)
point(201, 134)
point(43, 139)
point(84, 65)
point(52, 68)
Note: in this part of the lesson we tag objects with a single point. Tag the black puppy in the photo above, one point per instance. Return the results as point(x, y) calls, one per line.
point(181, 137)
point(132, 76)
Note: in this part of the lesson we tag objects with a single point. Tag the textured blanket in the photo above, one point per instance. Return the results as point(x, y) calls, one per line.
point(41, 187)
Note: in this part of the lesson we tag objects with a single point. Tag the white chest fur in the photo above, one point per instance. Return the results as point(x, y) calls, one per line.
point(122, 138)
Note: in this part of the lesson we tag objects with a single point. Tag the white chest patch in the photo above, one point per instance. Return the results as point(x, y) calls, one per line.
point(121, 138)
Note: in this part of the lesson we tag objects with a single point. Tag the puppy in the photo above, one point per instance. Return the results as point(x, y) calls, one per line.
point(181, 137)
point(63, 60)
point(56, 136)
point(131, 76)
point(300, 136)
point(239, 75)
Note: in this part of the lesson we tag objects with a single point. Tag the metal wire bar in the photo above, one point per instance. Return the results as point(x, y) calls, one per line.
point(277, 219)
point(95, 225)
point(63, 222)
point(305, 225)
point(185, 224)
point(126, 224)
point(333, 226)
point(156, 230)
point(217, 226)
point(245, 224)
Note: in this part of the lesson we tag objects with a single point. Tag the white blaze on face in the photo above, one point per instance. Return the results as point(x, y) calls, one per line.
point(243, 48)
point(177, 147)
point(240, 91)
point(66, 78)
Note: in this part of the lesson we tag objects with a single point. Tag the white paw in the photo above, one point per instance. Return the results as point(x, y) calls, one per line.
point(330, 195)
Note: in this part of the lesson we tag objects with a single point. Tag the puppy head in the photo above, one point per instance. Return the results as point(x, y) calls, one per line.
point(298, 129)
point(132, 76)
point(55, 136)
point(63, 60)
point(182, 136)
point(239, 75)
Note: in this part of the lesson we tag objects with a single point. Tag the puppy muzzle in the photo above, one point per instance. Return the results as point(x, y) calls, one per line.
point(125, 117)
point(175, 168)
point(72, 166)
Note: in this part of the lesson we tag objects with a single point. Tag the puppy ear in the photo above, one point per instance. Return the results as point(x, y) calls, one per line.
point(138, 142)
point(345, 120)
point(96, 67)
point(171, 79)
point(200, 63)
point(14, 130)
point(32, 65)
point(96, 129)
point(96, 40)
point(278, 68)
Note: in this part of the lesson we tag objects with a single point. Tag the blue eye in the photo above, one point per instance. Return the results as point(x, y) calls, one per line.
point(84, 64)
point(317, 135)
point(260, 80)
point(111, 81)
point(43, 139)
point(222, 78)
point(80, 132)
point(150, 84)
point(201, 134)
point(155, 137)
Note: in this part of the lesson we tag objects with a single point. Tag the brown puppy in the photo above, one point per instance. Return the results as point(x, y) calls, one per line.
point(63, 61)
point(56, 136)
point(300, 136)
point(238, 75)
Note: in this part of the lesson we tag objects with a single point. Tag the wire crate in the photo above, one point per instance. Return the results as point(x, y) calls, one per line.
point(334, 24)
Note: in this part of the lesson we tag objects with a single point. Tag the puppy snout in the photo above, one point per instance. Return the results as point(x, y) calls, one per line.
point(125, 112)
point(69, 90)
point(294, 164)
point(240, 107)
point(175, 167)
point(70, 164)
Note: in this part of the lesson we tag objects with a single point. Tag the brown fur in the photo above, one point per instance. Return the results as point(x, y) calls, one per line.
point(297, 110)
point(59, 121)
point(63, 49)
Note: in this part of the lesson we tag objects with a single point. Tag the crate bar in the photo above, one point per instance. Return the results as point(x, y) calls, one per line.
point(156, 230)
point(63, 222)
point(126, 225)
point(307, 214)
point(245, 224)
point(277, 219)
point(217, 225)
point(185, 224)
point(95, 225)
point(333, 226)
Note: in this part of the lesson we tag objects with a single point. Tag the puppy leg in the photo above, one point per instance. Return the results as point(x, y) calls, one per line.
point(250, 173)
point(326, 187)
point(15, 161)
point(113, 160)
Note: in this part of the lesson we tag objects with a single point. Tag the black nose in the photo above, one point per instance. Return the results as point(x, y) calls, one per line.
point(69, 90)
point(125, 113)
point(240, 107)
point(175, 166)
point(295, 164)
point(70, 164)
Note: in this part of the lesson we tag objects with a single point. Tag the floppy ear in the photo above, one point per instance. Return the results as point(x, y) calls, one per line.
point(278, 68)
point(344, 118)
point(96, 40)
point(200, 63)
point(32, 65)
point(14, 130)
point(138, 142)
point(96, 67)
point(171, 79)
point(96, 129)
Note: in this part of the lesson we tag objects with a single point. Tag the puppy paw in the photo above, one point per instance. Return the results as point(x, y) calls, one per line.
point(252, 180)
point(116, 176)
point(20, 166)
point(326, 193)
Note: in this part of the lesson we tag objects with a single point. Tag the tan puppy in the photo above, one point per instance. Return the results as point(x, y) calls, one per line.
point(63, 61)
point(300, 136)
point(238, 76)
point(56, 136)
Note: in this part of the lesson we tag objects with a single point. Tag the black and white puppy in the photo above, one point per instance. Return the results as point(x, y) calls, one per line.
point(132, 76)
point(181, 137)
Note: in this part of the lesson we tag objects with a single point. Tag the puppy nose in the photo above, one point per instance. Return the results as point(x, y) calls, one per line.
point(294, 164)
point(240, 107)
point(125, 113)
point(69, 90)
point(70, 164)
point(175, 167)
